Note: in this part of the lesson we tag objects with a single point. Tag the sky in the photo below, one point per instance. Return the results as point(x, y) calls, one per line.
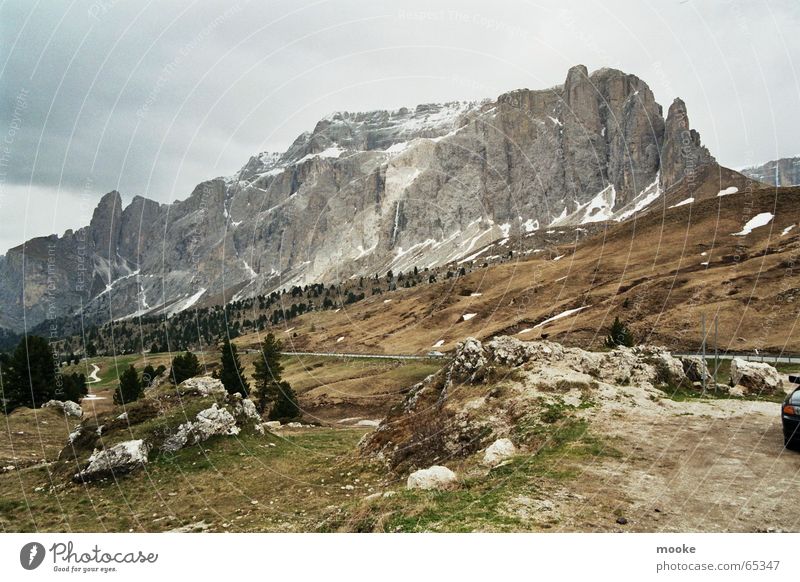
point(151, 97)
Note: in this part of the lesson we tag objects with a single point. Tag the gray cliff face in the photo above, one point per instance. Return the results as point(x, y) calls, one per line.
point(683, 154)
point(783, 172)
point(364, 193)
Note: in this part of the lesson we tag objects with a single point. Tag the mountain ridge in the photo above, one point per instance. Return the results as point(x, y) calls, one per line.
point(364, 193)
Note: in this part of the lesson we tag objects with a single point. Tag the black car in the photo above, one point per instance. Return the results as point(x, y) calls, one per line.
point(791, 416)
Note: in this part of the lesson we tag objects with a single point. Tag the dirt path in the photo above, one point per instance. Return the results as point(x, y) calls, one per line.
point(708, 466)
point(93, 376)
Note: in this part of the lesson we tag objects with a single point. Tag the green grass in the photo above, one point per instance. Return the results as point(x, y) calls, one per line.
point(293, 482)
point(483, 502)
point(683, 392)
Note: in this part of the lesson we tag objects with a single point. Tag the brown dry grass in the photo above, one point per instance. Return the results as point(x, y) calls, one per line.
point(648, 272)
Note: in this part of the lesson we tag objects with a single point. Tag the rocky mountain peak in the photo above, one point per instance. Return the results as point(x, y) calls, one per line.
point(683, 153)
point(105, 223)
point(367, 192)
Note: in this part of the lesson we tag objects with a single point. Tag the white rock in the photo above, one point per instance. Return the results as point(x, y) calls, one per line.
point(695, 368)
point(210, 422)
point(756, 377)
point(121, 458)
point(737, 391)
point(436, 477)
point(498, 451)
point(272, 424)
point(468, 359)
point(246, 410)
point(203, 385)
point(69, 407)
point(673, 364)
point(294, 425)
point(123, 416)
point(367, 422)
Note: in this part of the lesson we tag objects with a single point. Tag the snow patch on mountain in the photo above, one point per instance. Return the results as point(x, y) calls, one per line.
point(759, 220)
point(561, 315)
point(683, 203)
point(600, 208)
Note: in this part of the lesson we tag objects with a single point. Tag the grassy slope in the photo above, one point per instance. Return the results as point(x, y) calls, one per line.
point(308, 481)
point(648, 272)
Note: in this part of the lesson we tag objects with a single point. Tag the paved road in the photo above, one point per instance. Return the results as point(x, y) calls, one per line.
point(750, 357)
point(376, 356)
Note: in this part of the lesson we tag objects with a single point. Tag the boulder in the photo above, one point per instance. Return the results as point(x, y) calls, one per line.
point(468, 359)
point(695, 368)
point(498, 451)
point(69, 407)
point(435, 477)
point(210, 422)
point(737, 391)
point(119, 459)
point(756, 378)
point(245, 410)
point(272, 424)
point(203, 385)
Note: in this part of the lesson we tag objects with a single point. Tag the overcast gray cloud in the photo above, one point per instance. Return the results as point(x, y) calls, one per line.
point(152, 97)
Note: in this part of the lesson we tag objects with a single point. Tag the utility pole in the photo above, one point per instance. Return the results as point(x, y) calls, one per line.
point(716, 349)
point(703, 367)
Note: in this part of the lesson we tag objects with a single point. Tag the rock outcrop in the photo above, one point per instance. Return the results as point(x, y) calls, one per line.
point(120, 459)
point(202, 386)
point(213, 421)
point(683, 155)
point(489, 389)
point(695, 368)
point(68, 407)
point(755, 378)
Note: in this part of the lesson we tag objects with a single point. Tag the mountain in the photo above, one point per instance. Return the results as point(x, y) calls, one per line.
point(732, 255)
point(783, 172)
point(367, 192)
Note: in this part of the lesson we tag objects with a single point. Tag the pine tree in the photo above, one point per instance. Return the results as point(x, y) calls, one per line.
point(184, 366)
point(30, 379)
point(268, 370)
point(230, 372)
point(285, 407)
point(148, 375)
point(619, 335)
point(73, 387)
point(130, 387)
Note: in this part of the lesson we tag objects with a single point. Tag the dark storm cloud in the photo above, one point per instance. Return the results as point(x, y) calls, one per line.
point(152, 97)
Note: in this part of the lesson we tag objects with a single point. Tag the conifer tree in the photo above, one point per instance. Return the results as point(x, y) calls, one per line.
point(30, 378)
point(268, 370)
point(231, 370)
point(130, 387)
point(619, 335)
point(285, 407)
